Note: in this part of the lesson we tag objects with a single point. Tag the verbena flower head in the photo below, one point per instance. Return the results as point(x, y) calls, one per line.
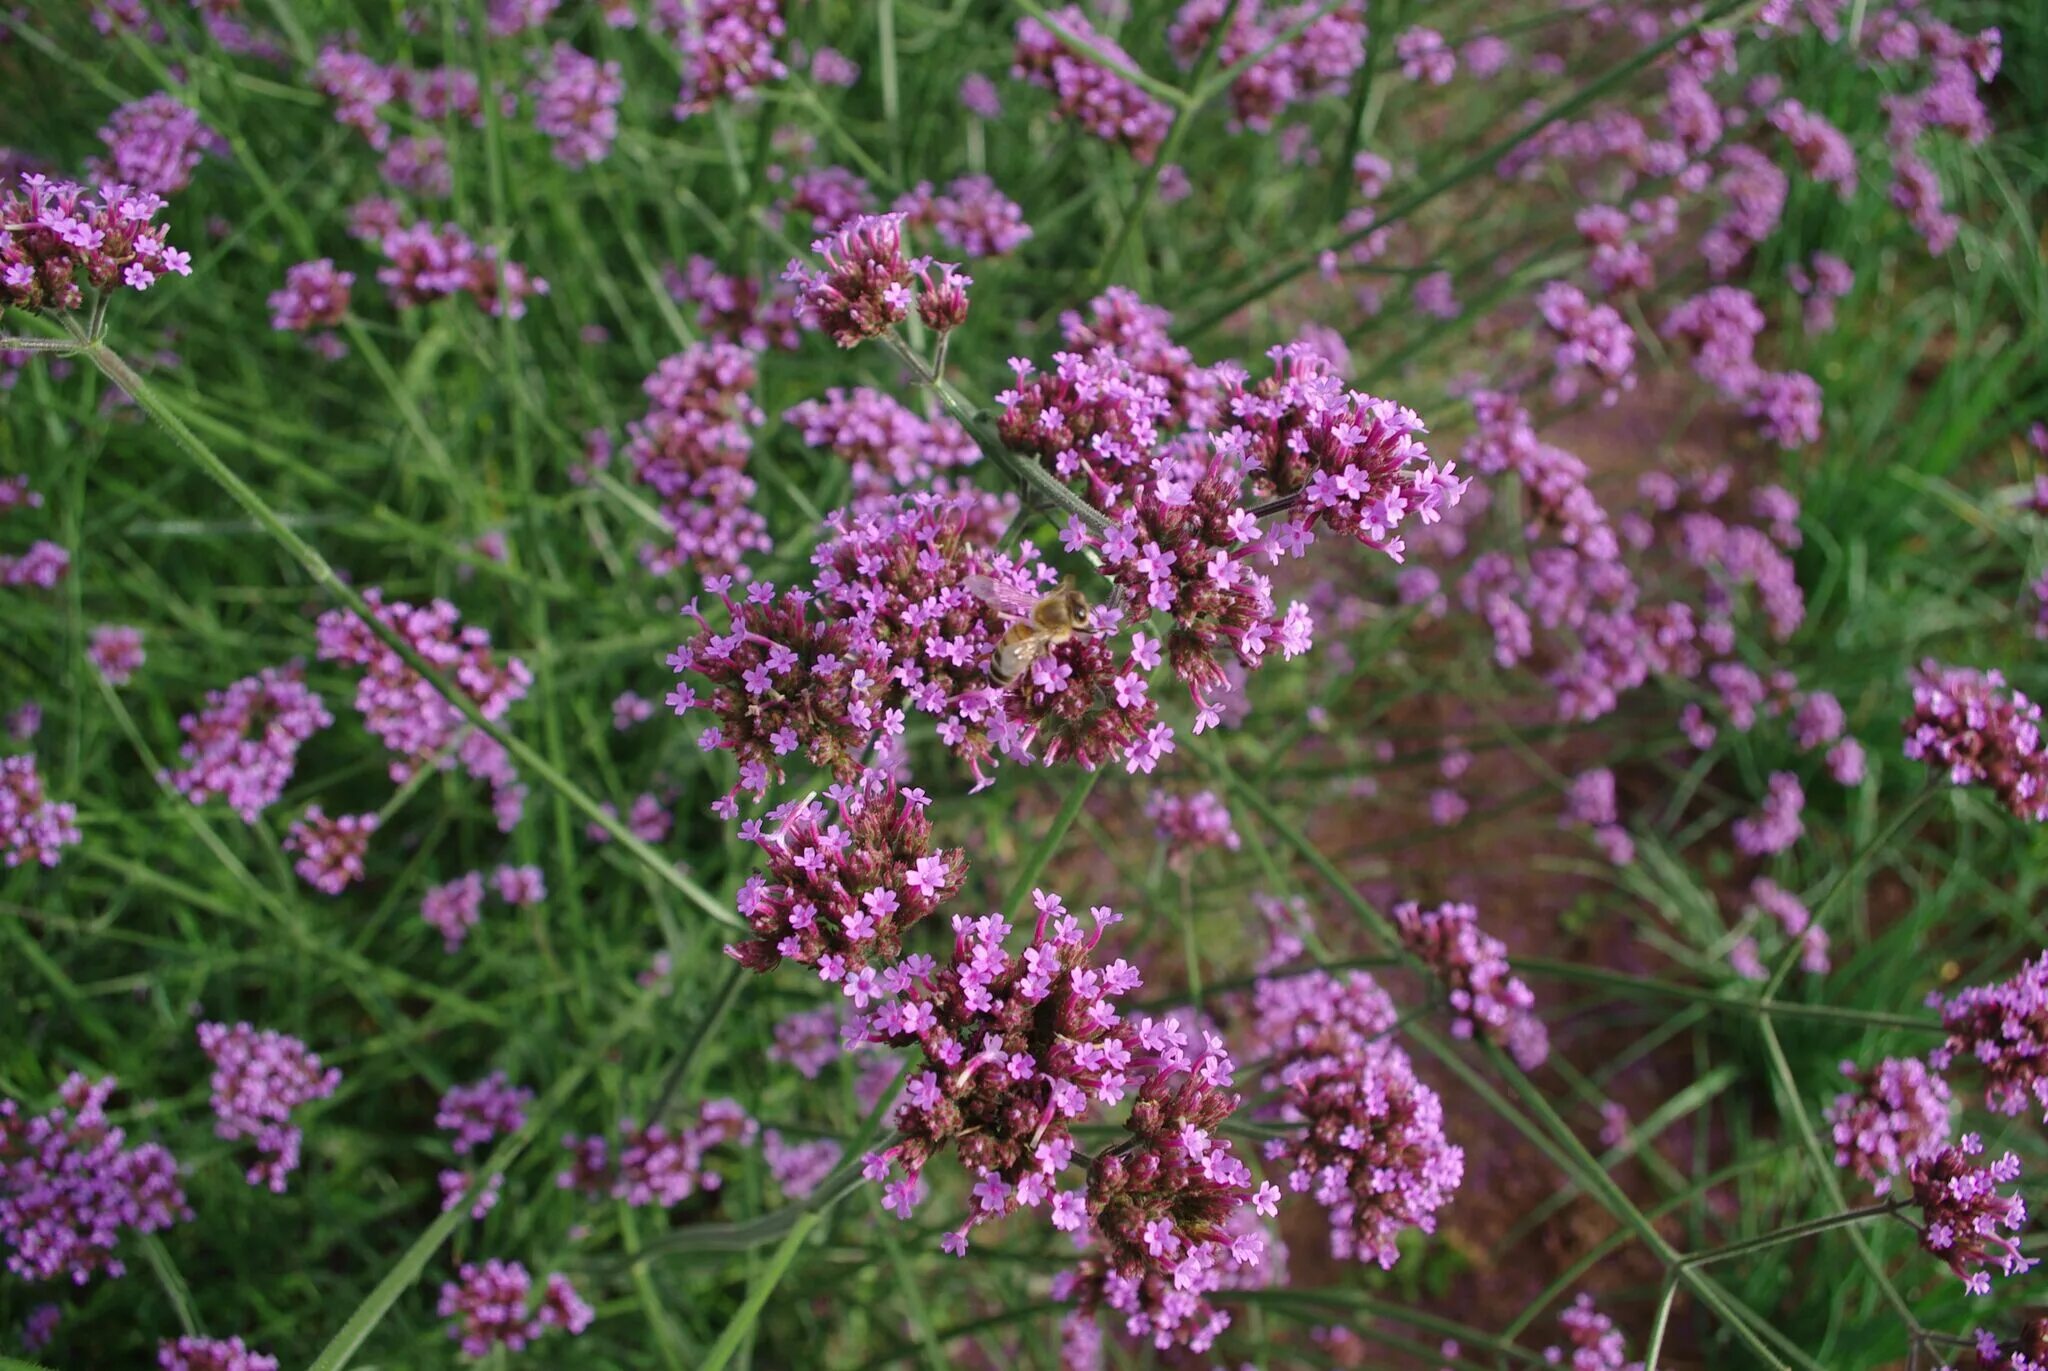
point(1898, 1114)
point(784, 678)
point(411, 718)
point(691, 449)
point(1970, 725)
point(1188, 823)
point(1370, 1147)
point(1160, 1203)
point(1013, 1048)
point(155, 144)
point(211, 1354)
point(1965, 1221)
point(727, 48)
point(244, 746)
point(70, 1187)
point(1486, 997)
point(481, 1111)
point(33, 828)
point(1292, 67)
point(1354, 463)
point(971, 215)
point(315, 295)
point(653, 1163)
point(492, 1306)
point(259, 1078)
point(865, 287)
point(431, 262)
point(2003, 1031)
point(890, 448)
point(575, 103)
point(454, 908)
point(116, 651)
point(738, 309)
point(1777, 824)
point(1591, 1341)
point(330, 850)
point(1088, 92)
point(2027, 1352)
point(845, 883)
point(57, 241)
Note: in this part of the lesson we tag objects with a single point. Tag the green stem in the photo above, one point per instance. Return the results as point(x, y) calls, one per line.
point(121, 374)
point(1034, 866)
point(1790, 1233)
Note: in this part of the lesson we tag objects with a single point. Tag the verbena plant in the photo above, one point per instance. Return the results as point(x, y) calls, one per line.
point(1351, 683)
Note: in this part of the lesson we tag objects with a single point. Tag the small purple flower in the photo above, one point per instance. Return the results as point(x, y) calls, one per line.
point(259, 1078)
point(211, 1354)
point(330, 851)
point(33, 828)
point(1898, 1114)
point(1965, 1221)
point(1486, 997)
point(482, 1110)
point(70, 1187)
point(116, 651)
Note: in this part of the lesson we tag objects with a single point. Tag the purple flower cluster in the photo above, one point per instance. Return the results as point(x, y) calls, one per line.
point(244, 746)
point(362, 88)
point(727, 48)
point(1188, 823)
point(1591, 802)
point(70, 1187)
point(211, 1354)
point(844, 885)
point(411, 718)
point(1591, 1341)
point(1966, 1222)
point(733, 308)
point(1426, 57)
point(799, 1168)
point(1486, 997)
point(890, 448)
point(691, 450)
point(1778, 822)
point(33, 828)
point(1594, 344)
point(314, 296)
point(1898, 1115)
point(482, 1110)
point(259, 1078)
point(575, 103)
point(2003, 1030)
point(155, 144)
point(438, 262)
point(655, 1164)
point(493, 1307)
point(116, 652)
point(865, 288)
point(1370, 1147)
point(1971, 726)
point(1351, 462)
point(1089, 92)
point(57, 240)
point(453, 908)
point(971, 215)
point(1015, 1049)
point(1293, 68)
point(330, 850)
point(1819, 145)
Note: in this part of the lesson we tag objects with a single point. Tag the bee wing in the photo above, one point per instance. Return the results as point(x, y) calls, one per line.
point(1007, 600)
point(1015, 654)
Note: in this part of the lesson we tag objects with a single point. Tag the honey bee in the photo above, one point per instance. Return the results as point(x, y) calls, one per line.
point(1036, 625)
